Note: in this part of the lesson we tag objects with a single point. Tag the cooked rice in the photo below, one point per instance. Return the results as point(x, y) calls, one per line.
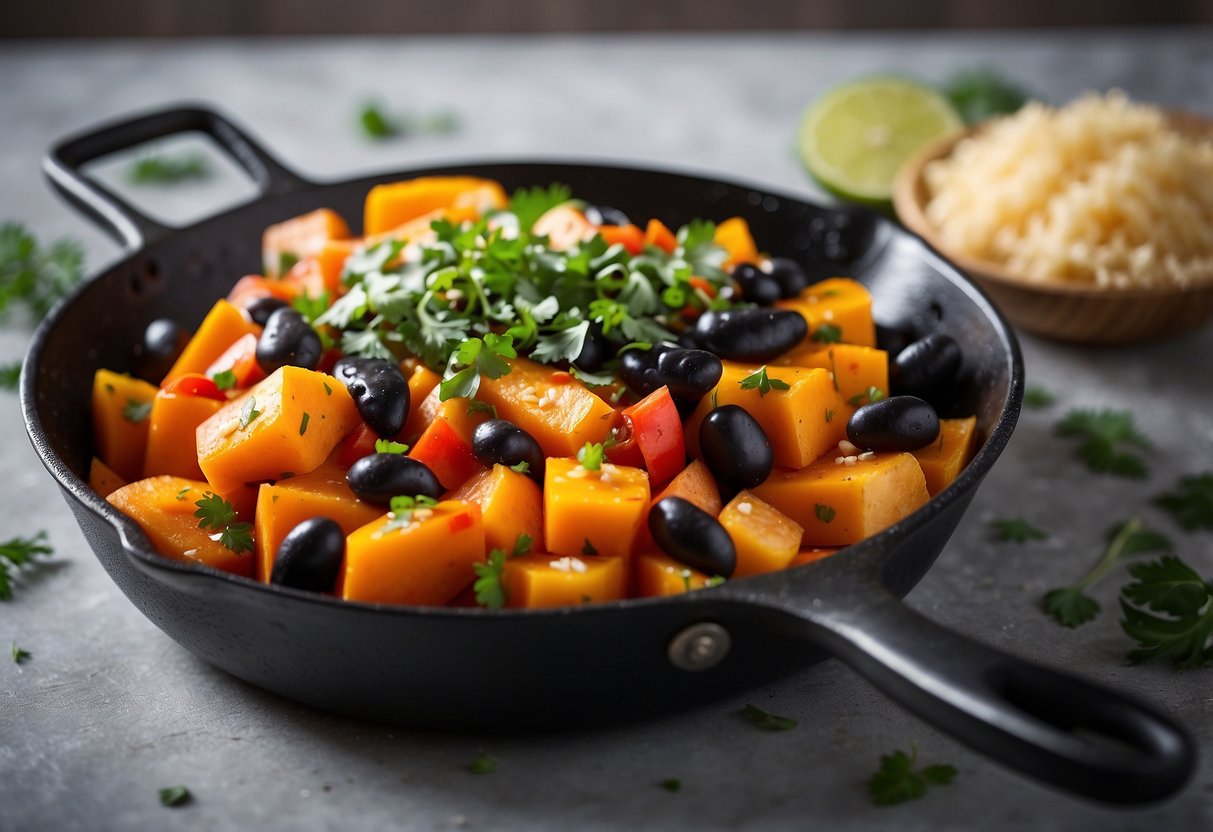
point(1102, 191)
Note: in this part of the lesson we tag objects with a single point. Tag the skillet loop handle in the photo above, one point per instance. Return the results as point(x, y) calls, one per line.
point(1065, 731)
point(128, 225)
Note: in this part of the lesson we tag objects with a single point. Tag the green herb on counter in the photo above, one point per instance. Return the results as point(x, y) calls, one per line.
point(1016, 530)
point(1191, 503)
point(898, 780)
point(378, 125)
point(673, 784)
point(767, 721)
point(33, 276)
point(1168, 610)
point(1071, 605)
point(483, 764)
point(10, 375)
point(980, 94)
point(20, 655)
point(166, 169)
point(1037, 397)
point(175, 796)
point(1104, 435)
point(17, 554)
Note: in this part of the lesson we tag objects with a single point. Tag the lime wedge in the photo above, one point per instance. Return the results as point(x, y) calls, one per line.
point(855, 137)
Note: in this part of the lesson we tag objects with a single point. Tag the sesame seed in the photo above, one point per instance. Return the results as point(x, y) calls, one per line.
point(847, 448)
point(745, 508)
point(578, 473)
point(866, 455)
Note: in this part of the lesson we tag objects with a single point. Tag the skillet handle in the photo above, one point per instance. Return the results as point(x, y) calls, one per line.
point(1065, 731)
point(128, 225)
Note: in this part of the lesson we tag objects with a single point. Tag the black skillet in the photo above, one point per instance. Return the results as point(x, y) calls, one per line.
point(476, 669)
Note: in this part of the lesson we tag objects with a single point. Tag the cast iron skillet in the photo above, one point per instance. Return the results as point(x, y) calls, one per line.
point(484, 670)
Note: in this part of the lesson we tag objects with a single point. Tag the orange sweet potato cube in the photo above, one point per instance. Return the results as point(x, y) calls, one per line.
point(592, 512)
point(299, 238)
point(103, 479)
point(854, 368)
point(172, 434)
point(656, 574)
point(545, 580)
point(223, 326)
point(837, 302)
point(510, 503)
point(766, 539)
point(121, 406)
point(944, 459)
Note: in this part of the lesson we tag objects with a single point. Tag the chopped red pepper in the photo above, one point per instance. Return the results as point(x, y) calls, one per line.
point(653, 427)
point(241, 359)
point(446, 453)
point(459, 522)
point(657, 234)
point(360, 443)
point(195, 384)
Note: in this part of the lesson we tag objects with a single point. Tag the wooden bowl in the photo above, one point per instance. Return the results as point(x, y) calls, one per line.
point(1078, 313)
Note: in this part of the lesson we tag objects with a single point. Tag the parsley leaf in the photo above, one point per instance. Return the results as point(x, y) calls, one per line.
point(134, 411)
point(672, 784)
point(827, 334)
point(218, 514)
point(10, 375)
point(523, 467)
point(20, 655)
point(387, 446)
point(1037, 397)
point(563, 345)
point(1191, 503)
point(483, 764)
point(224, 380)
point(490, 591)
point(376, 124)
point(1070, 605)
point(529, 204)
point(897, 781)
point(174, 796)
point(16, 554)
point(767, 721)
point(1168, 611)
point(478, 357)
point(523, 545)
point(760, 381)
point(872, 394)
point(1016, 530)
point(34, 276)
point(591, 455)
point(166, 169)
point(824, 513)
point(1104, 433)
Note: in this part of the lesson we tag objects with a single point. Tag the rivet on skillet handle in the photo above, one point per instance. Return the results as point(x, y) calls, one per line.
point(1065, 731)
point(128, 225)
point(699, 646)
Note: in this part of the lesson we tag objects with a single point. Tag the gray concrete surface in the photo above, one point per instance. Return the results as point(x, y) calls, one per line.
point(108, 709)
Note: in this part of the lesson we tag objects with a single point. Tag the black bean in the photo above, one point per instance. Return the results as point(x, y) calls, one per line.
point(380, 477)
point(756, 285)
point(595, 350)
point(789, 275)
point(688, 373)
point(380, 392)
point(926, 367)
point(735, 448)
point(499, 442)
point(163, 342)
point(605, 215)
point(310, 556)
point(898, 423)
point(261, 308)
point(751, 334)
point(287, 340)
point(691, 536)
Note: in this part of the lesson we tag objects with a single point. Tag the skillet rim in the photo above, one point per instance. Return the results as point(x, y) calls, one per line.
point(869, 553)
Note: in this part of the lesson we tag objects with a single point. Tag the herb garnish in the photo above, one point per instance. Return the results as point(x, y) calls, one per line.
point(1104, 433)
point(767, 721)
point(1037, 397)
point(174, 796)
point(872, 394)
point(760, 381)
point(1016, 530)
point(673, 784)
point(181, 494)
point(897, 780)
point(1168, 610)
point(10, 375)
point(303, 423)
point(523, 467)
point(379, 125)
point(824, 513)
point(16, 554)
point(165, 169)
point(400, 510)
point(591, 455)
point(979, 94)
point(387, 446)
point(827, 334)
point(134, 411)
point(476, 357)
point(1191, 503)
point(33, 276)
point(216, 513)
point(225, 379)
point(1071, 605)
point(20, 654)
point(490, 591)
point(249, 412)
point(476, 406)
point(483, 764)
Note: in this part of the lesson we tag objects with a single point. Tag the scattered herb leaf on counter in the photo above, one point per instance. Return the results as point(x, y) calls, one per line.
point(979, 94)
point(1037, 397)
point(1016, 530)
point(10, 375)
point(165, 169)
point(17, 553)
point(379, 125)
point(174, 796)
point(768, 721)
point(33, 275)
point(1191, 503)
point(376, 124)
point(897, 780)
point(483, 764)
point(1070, 605)
point(1168, 610)
point(1104, 435)
point(673, 784)
point(19, 654)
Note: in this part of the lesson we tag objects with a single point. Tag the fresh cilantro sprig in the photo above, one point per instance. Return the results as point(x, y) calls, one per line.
point(872, 394)
point(1108, 438)
point(1168, 611)
point(529, 204)
point(1191, 503)
point(474, 358)
point(402, 508)
point(10, 375)
point(1016, 530)
point(20, 654)
point(33, 276)
point(1071, 605)
point(1037, 397)
point(19, 553)
point(387, 446)
point(168, 169)
point(174, 796)
point(763, 383)
point(218, 514)
point(767, 721)
point(898, 779)
point(484, 763)
point(489, 588)
point(592, 455)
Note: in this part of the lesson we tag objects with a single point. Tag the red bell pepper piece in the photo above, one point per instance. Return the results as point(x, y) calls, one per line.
point(241, 359)
point(360, 443)
point(195, 384)
point(654, 427)
point(446, 453)
point(629, 236)
point(657, 234)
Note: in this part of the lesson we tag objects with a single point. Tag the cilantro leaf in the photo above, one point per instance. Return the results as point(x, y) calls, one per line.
point(224, 380)
point(897, 781)
point(767, 721)
point(214, 512)
point(10, 375)
point(563, 345)
point(827, 334)
point(33, 276)
point(523, 467)
point(1104, 435)
point(168, 169)
point(1037, 397)
point(523, 545)
point(490, 591)
point(174, 796)
point(1168, 611)
point(591, 455)
point(387, 446)
point(1016, 530)
point(16, 554)
point(760, 381)
point(1191, 503)
point(134, 411)
point(1070, 606)
point(529, 204)
point(20, 655)
point(478, 357)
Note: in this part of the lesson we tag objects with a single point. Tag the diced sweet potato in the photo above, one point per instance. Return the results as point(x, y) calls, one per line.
point(172, 434)
point(121, 407)
point(164, 508)
point(544, 580)
point(656, 574)
point(298, 238)
point(944, 459)
point(766, 539)
point(694, 484)
point(290, 422)
point(838, 302)
point(428, 561)
point(510, 503)
point(813, 555)
point(592, 512)
point(839, 504)
point(855, 368)
point(103, 479)
point(733, 235)
point(221, 328)
point(391, 205)
point(422, 382)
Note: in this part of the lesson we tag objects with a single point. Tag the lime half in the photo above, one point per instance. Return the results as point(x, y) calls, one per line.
point(855, 137)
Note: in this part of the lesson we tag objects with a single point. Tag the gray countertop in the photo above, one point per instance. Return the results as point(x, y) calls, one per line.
point(108, 709)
